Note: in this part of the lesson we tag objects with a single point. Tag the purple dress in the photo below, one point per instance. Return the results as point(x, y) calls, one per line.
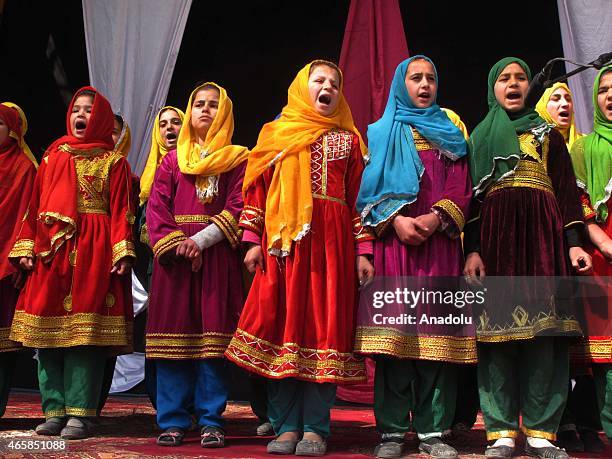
point(445, 188)
point(193, 315)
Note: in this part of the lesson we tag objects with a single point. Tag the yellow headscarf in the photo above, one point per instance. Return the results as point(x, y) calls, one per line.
point(456, 120)
point(125, 139)
point(156, 154)
point(217, 155)
point(24, 129)
point(570, 134)
point(285, 144)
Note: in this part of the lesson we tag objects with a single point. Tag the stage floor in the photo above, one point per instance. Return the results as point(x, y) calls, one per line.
point(127, 429)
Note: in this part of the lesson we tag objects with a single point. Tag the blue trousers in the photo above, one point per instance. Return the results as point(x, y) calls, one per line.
point(183, 382)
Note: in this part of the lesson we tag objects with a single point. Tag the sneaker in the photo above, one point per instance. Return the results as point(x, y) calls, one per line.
point(499, 452)
point(546, 452)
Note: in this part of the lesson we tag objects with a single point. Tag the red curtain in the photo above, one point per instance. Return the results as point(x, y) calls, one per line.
point(374, 44)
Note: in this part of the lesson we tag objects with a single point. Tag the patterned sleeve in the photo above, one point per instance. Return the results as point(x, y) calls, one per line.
point(227, 219)
point(122, 211)
point(454, 205)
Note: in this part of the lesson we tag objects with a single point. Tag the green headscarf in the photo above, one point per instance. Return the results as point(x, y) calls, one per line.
point(494, 148)
point(591, 157)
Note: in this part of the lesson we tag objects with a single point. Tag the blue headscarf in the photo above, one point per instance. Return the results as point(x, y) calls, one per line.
point(391, 178)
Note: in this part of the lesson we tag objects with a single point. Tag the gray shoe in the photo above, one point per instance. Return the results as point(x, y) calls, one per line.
point(389, 449)
point(310, 448)
point(281, 447)
point(435, 447)
point(52, 426)
point(76, 429)
point(264, 429)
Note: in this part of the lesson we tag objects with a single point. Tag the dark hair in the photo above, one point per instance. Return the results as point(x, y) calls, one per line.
point(119, 119)
point(204, 86)
point(85, 92)
point(324, 63)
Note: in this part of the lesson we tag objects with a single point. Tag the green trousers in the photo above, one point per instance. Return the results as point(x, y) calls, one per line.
point(602, 372)
point(70, 380)
point(300, 406)
point(426, 388)
point(527, 377)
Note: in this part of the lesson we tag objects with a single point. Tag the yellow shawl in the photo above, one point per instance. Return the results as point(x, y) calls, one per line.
point(217, 155)
point(125, 139)
point(456, 120)
point(24, 128)
point(570, 134)
point(156, 154)
point(285, 145)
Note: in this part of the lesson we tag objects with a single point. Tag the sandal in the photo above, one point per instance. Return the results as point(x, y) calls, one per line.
point(172, 436)
point(212, 437)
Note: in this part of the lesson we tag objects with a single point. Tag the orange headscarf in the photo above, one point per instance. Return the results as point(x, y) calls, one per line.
point(285, 145)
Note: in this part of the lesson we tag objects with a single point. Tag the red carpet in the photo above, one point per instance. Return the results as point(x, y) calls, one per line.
point(127, 429)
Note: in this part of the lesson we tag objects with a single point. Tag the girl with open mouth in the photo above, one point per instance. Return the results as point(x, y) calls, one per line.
point(296, 328)
point(556, 106)
point(526, 221)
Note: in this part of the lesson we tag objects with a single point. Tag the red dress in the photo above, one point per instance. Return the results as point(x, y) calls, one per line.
point(17, 174)
point(596, 346)
point(71, 298)
point(299, 317)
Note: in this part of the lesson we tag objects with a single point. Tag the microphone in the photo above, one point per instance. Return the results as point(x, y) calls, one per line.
point(539, 83)
point(542, 80)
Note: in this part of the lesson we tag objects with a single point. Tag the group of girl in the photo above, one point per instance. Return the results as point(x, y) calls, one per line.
point(318, 214)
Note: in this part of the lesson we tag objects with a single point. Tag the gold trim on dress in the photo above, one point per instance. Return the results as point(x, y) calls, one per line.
point(228, 224)
point(55, 414)
point(72, 257)
point(109, 300)
point(7, 345)
point(527, 174)
point(265, 358)
point(329, 198)
point(123, 249)
point(420, 142)
point(539, 434)
point(22, 248)
point(252, 218)
point(389, 341)
point(168, 242)
point(81, 412)
point(453, 211)
point(67, 303)
point(78, 152)
point(186, 346)
point(192, 219)
point(502, 434)
point(76, 329)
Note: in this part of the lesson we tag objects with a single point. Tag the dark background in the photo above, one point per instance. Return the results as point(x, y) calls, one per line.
point(255, 49)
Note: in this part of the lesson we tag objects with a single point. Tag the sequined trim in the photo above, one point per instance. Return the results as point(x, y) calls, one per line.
point(186, 346)
point(192, 219)
point(123, 249)
point(420, 142)
point(93, 173)
point(252, 218)
point(453, 211)
point(168, 242)
point(328, 198)
point(82, 412)
point(7, 345)
point(361, 233)
point(79, 329)
point(525, 327)
point(502, 434)
point(228, 224)
point(596, 349)
point(527, 174)
point(77, 152)
point(54, 414)
point(290, 360)
point(389, 341)
point(22, 248)
point(539, 434)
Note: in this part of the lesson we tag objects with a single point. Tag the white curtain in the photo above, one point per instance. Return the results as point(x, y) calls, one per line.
point(132, 48)
point(586, 32)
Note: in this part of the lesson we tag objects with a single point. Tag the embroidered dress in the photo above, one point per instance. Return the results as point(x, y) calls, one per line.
point(299, 315)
